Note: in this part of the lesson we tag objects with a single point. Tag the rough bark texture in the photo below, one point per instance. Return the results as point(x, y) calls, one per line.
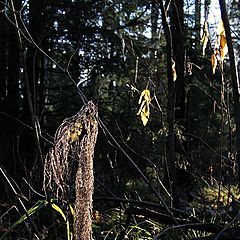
point(84, 180)
point(68, 169)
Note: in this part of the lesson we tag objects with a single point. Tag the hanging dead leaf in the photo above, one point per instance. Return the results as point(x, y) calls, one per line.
point(214, 63)
point(222, 41)
point(220, 28)
point(145, 114)
point(174, 71)
point(144, 110)
point(223, 46)
point(145, 95)
point(205, 37)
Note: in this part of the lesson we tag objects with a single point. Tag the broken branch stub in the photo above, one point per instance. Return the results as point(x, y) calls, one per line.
point(68, 169)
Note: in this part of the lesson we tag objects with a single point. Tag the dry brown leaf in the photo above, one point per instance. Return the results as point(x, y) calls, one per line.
point(223, 46)
point(205, 36)
point(214, 63)
point(144, 110)
point(174, 71)
point(220, 28)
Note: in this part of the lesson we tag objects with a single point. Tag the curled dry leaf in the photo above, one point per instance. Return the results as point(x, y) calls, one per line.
point(144, 110)
point(174, 71)
point(214, 63)
point(220, 28)
point(223, 46)
point(205, 36)
point(222, 41)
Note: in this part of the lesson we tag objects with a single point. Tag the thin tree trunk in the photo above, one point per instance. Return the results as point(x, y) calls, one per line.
point(234, 78)
point(171, 103)
point(32, 61)
point(177, 30)
point(9, 88)
point(197, 23)
point(2, 56)
point(154, 33)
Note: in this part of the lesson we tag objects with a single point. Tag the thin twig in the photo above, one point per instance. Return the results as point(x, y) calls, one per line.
point(20, 201)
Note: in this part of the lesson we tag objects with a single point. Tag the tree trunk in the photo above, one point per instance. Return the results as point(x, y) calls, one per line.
point(177, 30)
point(197, 24)
point(2, 56)
point(32, 80)
point(170, 104)
point(154, 33)
point(9, 88)
point(234, 78)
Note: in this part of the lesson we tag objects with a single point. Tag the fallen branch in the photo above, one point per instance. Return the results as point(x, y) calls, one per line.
point(176, 212)
point(230, 233)
point(165, 219)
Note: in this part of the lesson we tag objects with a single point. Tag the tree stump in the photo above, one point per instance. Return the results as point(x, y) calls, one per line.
point(68, 170)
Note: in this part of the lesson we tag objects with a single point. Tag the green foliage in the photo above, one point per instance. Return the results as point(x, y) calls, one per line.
point(33, 210)
point(38, 209)
point(111, 226)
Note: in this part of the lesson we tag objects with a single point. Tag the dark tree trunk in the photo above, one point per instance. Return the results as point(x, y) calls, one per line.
point(33, 84)
point(234, 78)
point(171, 105)
point(177, 30)
point(2, 56)
point(178, 46)
point(197, 23)
point(154, 32)
point(9, 89)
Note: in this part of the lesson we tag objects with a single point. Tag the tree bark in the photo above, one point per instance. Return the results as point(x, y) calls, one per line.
point(29, 141)
point(9, 88)
point(170, 104)
point(234, 79)
point(2, 56)
point(154, 33)
point(197, 24)
point(177, 30)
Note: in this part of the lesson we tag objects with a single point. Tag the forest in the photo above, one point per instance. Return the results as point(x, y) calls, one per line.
point(119, 119)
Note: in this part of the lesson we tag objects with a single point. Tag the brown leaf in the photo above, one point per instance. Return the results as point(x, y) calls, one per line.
point(214, 63)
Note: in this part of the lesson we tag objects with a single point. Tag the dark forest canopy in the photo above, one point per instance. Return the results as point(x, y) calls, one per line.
point(164, 77)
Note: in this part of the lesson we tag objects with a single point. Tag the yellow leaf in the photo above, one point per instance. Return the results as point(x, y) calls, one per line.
point(78, 125)
point(205, 36)
point(69, 233)
point(58, 209)
point(71, 209)
point(214, 63)
point(220, 28)
point(145, 114)
point(78, 128)
point(174, 71)
point(223, 46)
point(144, 95)
point(74, 136)
point(144, 120)
point(144, 110)
point(222, 41)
